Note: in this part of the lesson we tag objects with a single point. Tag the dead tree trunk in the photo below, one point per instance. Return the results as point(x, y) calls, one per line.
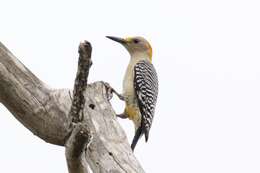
point(87, 128)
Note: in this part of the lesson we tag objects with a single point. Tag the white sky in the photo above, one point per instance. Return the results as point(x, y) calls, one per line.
point(207, 55)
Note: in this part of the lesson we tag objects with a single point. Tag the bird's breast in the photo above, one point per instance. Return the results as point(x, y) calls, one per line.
point(128, 83)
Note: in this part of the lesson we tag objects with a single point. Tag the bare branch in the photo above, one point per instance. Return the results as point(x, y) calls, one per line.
point(75, 149)
point(80, 84)
point(39, 108)
point(81, 134)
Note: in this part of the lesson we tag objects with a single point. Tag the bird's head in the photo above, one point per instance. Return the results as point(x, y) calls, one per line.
point(136, 46)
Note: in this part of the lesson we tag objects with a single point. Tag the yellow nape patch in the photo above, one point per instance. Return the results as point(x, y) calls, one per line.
point(150, 51)
point(132, 112)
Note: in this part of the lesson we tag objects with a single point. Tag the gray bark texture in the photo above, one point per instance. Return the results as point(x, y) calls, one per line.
point(82, 120)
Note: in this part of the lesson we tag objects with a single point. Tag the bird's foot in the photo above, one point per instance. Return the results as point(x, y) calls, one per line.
point(110, 92)
point(120, 96)
point(122, 115)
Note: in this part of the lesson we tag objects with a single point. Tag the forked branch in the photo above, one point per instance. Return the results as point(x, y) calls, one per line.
point(45, 112)
point(81, 135)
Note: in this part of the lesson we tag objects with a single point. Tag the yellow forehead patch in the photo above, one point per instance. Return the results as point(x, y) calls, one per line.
point(128, 39)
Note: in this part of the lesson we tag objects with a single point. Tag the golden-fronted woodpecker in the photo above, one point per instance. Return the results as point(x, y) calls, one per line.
point(140, 86)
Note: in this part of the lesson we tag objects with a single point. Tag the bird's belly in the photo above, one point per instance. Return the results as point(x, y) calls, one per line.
point(129, 93)
point(131, 108)
point(128, 86)
point(132, 112)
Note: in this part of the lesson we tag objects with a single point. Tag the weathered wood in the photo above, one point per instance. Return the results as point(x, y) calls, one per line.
point(75, 147)
point(80, 84)
point(81, 135)
point(44, 111)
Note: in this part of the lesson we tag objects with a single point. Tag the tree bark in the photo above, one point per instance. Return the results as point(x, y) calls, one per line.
point(76, 145)
point(81, 135)
point(46, 113)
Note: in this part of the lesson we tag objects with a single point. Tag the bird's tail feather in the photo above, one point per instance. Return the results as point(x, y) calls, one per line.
point(137, 136)
point(146, 133)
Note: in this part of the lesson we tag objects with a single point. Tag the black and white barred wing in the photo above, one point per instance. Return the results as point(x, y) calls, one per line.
point(146, 87)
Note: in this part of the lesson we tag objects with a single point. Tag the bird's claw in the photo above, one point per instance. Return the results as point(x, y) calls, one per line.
point(110, 92)
point(123, 116)
point(121, 97)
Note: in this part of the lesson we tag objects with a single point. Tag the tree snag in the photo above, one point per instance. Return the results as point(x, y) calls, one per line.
point(84, 123)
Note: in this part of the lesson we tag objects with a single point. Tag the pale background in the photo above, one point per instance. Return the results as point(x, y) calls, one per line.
point(207, 55)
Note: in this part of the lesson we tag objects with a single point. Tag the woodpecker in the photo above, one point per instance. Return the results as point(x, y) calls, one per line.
point(140, 86)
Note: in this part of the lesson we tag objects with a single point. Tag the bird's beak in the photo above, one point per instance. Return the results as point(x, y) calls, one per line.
point(117, 39)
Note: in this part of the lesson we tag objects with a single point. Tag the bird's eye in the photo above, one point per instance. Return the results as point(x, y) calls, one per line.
point(136, 41)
